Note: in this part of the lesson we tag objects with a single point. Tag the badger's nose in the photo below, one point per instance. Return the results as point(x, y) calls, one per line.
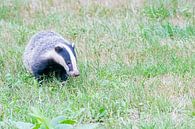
point(75, 73)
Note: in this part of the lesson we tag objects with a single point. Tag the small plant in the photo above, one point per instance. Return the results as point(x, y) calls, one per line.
point(193, 108)
point(157, 12)
point(59, 122)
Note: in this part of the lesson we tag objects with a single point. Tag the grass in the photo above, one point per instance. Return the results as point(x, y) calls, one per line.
point(137, 63)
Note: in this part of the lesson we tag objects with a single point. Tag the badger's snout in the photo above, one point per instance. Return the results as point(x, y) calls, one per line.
point(74, 73)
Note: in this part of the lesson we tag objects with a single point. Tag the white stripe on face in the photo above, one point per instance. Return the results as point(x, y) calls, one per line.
point(72, 58)
point(58, 59)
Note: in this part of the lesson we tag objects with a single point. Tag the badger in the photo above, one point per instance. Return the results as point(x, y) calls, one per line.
point(48, 51)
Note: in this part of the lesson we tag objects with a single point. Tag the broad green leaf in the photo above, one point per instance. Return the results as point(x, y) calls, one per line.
point(70, 122)
point(88, 126)
point(55, 121)
point(64, 126)
point(43, 126)
point(193, 106)
point(37, 126)
point(193, 103)
point(193, 114)
point(24, 125)
point(102, 110)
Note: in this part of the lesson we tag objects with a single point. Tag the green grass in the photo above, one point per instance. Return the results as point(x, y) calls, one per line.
point(137, 64)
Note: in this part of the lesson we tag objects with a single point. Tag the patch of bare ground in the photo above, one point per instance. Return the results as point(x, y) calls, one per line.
point(48, 6)
point(191, 85)
point(182, 107)
point(181, 44)
point(173, 88)
point(178, 21)
point(177, 91)
point(6, 35)
point(134, 115)
point(166, 41)
point(33, 7)
point(136, 5)
point(105, 3)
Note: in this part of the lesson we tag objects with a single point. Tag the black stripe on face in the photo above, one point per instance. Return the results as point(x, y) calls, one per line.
point(72, 49)
point(66, 56)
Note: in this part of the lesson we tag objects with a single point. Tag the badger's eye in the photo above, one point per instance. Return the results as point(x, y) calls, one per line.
point(68, 63)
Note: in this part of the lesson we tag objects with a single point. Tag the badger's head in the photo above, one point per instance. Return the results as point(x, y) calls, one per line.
point(65, 55)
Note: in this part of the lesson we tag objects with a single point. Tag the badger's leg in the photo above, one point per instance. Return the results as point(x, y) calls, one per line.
point(38, 69)
point(39, 78)
point(63, 75)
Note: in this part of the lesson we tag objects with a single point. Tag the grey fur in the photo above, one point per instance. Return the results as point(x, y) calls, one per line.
point(38, 45)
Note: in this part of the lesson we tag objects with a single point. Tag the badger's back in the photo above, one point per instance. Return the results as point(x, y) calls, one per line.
point(38, 45)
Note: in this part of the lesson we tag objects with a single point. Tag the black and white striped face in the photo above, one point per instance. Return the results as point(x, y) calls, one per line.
point(67, 58)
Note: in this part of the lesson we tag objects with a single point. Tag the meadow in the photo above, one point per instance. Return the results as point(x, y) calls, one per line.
point(136, 60)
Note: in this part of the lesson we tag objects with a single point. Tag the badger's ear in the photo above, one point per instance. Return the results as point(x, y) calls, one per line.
point(58, 48)
point(73, 45)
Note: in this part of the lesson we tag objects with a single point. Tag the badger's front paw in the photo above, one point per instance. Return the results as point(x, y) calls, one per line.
point(63, 76)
